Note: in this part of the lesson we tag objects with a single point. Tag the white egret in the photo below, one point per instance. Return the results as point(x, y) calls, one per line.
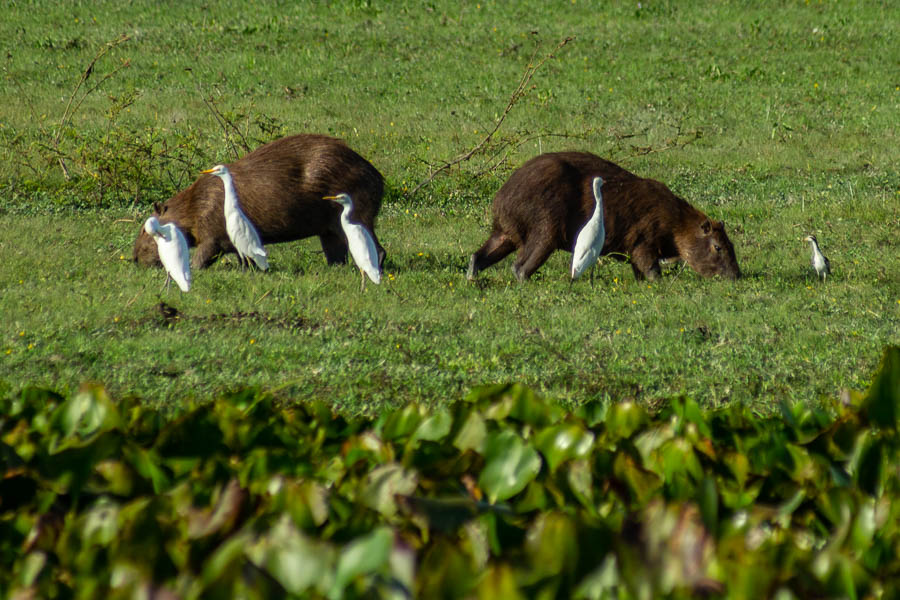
point(589, 241)
point(819, 261)
point(240, 228)
point(359, 240)
point(173, 252)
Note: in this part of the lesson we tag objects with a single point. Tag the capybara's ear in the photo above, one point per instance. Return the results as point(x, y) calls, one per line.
point(706, 226)
point(156, 209)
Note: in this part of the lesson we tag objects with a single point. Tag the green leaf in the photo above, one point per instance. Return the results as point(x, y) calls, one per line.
point(882, 403)
point(472, 434)
point(624, 419)
point(531, 409)
point(434, 427)
point(581, 483)
point(552, 545)
point(510, 463)
point(688, 411)
point(384, 483)
point(499, 582)
point(87, 412)
point(100, 524)
point(402, 423)
point(147, 464)
point(868, 464)
point(642, 483)
point(709, 504)
point(364, 556)
point(563, 442)
point(603, 583)
point(445, 571)
point(293, 560)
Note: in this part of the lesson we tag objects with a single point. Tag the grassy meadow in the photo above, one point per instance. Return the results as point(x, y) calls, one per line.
point(781, 118)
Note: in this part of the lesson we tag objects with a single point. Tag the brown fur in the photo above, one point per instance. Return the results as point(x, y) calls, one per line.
point(280, 187)
point(547, 200)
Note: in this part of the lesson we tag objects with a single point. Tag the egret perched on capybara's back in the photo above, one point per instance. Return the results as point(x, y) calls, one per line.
point(173, 252)
point(241, 230)
point(360, 241)
point(589, 241)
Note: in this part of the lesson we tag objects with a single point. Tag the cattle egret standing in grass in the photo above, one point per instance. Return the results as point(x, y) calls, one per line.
point(173, 252)
point(589, 241)
point(359, 240)
point(241, 232)
point(819, 261)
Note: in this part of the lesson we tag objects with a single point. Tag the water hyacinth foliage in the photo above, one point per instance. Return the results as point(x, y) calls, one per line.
point(502, 495)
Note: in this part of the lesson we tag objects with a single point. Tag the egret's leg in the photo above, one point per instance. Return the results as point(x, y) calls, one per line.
point(362, 276)
point(591, 277)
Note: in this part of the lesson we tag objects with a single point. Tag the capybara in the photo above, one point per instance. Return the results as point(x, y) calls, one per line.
point(281, 187)
point(548, 199)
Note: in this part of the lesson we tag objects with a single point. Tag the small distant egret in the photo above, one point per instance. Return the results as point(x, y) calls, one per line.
point(589, 241)
point(240, 228)
point(819, 261)
point(173, 252)
point(359, 240)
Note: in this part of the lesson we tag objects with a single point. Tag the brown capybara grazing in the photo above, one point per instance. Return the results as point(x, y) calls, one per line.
point(547, 200)
point(281, 187)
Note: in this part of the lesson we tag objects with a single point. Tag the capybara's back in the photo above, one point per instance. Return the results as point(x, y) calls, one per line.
point(547, 200)
point(280, 187)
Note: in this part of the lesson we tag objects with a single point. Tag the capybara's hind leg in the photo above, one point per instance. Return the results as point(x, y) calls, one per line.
point(495, 249)
point(335, 247)
point(530, 258)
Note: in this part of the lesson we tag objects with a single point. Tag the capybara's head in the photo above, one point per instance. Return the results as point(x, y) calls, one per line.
point(710, 252)
point(145, 251)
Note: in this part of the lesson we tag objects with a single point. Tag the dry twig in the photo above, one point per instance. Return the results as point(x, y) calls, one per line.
point(70, 111)
point(517, 95)
point(223, 121)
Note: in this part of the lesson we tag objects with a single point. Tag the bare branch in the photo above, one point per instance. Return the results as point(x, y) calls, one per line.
point(70, 111)
point(517, 95)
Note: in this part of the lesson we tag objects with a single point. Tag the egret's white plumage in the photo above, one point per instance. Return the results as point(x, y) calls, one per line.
point(359, 241)
point(819, 261)
point(589, 241)
point(173, 251)
point(240, 228)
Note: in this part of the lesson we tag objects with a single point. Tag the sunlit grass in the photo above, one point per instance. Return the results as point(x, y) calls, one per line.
point(781, 120)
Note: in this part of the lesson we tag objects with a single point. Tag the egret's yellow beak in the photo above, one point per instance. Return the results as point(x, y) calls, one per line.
point(330, 198)
point(206, 171)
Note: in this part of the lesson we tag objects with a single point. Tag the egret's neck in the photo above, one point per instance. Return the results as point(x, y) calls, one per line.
point(345, 214)
point(230, 192)
point(598, 209)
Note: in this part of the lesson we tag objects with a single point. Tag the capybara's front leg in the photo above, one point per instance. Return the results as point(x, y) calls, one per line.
point(645, 263)
point(205, 254)
point(335, 247)
point(496, 248)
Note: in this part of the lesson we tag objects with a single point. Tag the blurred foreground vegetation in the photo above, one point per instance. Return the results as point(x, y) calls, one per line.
point(504, 495)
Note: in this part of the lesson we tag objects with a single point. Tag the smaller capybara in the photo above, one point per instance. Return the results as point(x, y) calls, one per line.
point(281, 187)
point(548, 199)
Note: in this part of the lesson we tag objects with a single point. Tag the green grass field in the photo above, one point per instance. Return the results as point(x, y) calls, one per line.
point(780, 119)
